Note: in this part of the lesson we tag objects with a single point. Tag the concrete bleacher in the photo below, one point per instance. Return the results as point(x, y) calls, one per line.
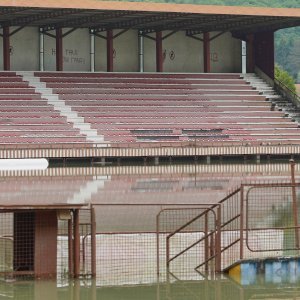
point(27, 118)
point(107, 108)
point(130, 107)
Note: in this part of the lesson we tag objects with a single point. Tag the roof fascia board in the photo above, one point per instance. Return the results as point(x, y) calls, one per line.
point(154, 7)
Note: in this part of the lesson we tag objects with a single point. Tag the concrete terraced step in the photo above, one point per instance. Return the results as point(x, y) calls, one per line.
point(123, 75)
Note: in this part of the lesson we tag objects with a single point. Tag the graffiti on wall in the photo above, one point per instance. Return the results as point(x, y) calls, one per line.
point(71, 56)
point(214, 57)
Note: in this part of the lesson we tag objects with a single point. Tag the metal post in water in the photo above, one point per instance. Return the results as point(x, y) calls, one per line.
point(70, 247)
point(242, 223)
point(76, 247)
point(295, 207)
point(93, 242)
point(218, 260)
point(206, 244)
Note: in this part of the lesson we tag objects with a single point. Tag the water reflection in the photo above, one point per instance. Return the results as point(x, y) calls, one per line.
point(173, 184)
point(219, 288)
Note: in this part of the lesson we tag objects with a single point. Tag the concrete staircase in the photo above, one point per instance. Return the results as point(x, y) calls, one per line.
point(278, 102)
point(64, 109)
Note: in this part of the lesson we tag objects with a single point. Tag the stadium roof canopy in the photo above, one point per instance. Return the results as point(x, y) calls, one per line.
point(149, 17)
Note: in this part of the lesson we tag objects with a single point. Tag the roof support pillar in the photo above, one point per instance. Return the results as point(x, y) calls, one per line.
point(206, 52)
point(110, 50)
point(59, 49)
point(141, 51)
point(41, 50)
point(250, 53)
point(92, 51)
point(6, 51)
point(264, 52)
point(159, 52)
point(244, 57)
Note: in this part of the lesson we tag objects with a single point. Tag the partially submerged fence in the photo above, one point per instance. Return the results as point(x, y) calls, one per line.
point(136, 243)
point(254, 221)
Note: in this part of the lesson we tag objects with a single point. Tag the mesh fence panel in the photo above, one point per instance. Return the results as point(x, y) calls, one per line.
point(6, 243)
point(272, 219)
point(230, 228)
point(186, 242)
point(62, 252)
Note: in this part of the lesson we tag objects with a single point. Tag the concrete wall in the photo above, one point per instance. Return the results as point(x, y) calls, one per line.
point(24, 49)
point(185, 54)
point(76, 51)
point(125, 52)
point(181, 53)
point(226, 54)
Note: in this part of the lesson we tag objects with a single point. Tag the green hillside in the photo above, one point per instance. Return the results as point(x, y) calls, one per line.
point(265, 3)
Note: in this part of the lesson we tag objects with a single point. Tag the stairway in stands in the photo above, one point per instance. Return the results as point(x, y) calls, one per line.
point(279, 102)
point(60, 105)
point(27, 118)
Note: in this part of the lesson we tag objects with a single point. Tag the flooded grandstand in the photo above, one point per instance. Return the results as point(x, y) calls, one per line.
point(166, 141)
point(127, 202)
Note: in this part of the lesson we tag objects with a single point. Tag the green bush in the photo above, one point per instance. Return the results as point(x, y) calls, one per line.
point(284, 77)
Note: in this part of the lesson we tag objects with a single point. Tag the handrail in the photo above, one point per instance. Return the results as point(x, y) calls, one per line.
point(279, 86)
point(220, 223)
point(285, 91)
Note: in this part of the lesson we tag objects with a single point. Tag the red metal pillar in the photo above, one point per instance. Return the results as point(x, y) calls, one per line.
point(110, 50)
point(70, 246)
point(159, 52)
point(250, 53)
point(76, 247)
point(295, 206)
point(93, 240)
point(263, 51)
point(218, 253)
point(206, 52)
point(242, 222)
point(6, 52)
point(59, 50)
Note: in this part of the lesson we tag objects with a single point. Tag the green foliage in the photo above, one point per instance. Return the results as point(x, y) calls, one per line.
point(265, 3)
point(284, 77)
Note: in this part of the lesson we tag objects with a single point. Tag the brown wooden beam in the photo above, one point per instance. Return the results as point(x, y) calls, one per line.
point(159, 52)
point(110, 50)
point(6, 50)
point(206, 52)
point(59, 50)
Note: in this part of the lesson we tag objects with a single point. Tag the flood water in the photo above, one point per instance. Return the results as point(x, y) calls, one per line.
point(221, 288)
point(124, 271)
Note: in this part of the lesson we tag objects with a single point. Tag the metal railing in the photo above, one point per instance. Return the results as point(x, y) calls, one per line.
point(286, 92)
point(212, 223)
point(254, 221)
